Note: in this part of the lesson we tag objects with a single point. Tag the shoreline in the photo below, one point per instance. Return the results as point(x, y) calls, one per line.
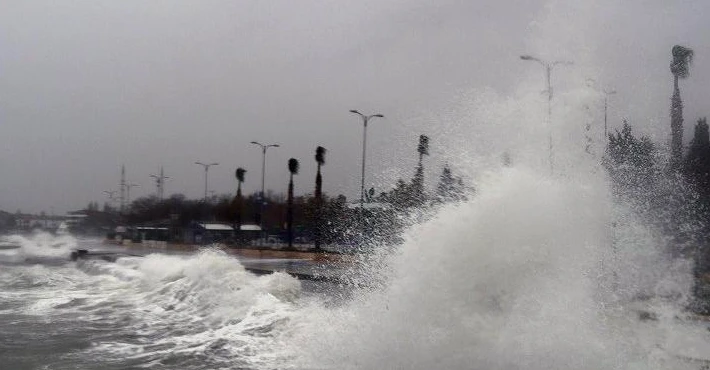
point(255, 252)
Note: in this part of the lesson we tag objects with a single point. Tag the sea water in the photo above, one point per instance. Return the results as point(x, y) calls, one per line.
point(521, 276)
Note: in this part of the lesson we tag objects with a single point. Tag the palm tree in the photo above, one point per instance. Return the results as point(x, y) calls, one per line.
point(423, 148)
point(293, 169)
point(680, 67)
point(240, 179)
point(320, 159)
point(417, 189)
point(238, 201)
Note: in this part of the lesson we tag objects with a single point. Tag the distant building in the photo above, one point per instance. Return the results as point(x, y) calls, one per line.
point(27, 222)
point(214, 232)
point(7, 221)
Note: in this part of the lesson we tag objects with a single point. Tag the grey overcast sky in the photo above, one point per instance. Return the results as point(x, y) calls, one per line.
point(86, 86)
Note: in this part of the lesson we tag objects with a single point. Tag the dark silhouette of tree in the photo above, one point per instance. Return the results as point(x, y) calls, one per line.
point(416, 190)
point(630, 160)
point(661, 197)
point(450, 188)
point(625, 148)
point(293, 170)
point(697, 162)
point(680, 68)
point(317, 225)
point(697, 171)
point(240, 179)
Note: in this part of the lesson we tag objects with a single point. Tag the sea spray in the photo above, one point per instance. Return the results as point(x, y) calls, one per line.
point(514, 278)
point(41, 244)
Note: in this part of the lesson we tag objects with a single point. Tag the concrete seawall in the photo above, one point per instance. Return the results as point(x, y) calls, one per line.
point(244, 251)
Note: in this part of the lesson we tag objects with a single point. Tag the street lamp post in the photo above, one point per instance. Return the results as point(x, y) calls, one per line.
point(264, 147)
point(365, 120)
point(606, 102)
point(548, 75)
point(207, 169)
point(606, 92)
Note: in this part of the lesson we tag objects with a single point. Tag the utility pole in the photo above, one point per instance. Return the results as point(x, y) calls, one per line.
point(160, 183)
point(123, 188)
point(606, 93)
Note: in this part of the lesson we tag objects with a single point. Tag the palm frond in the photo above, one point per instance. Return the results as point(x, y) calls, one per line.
point(423, 147)
point(320, 155)
point(240, 174)
point(293, 166)
point(682, 59)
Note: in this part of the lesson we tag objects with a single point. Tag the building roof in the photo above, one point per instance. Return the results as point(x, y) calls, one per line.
point(215, 226)
point(250, 227)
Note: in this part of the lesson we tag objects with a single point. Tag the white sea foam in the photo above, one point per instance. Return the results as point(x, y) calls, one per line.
point(522, 276)
point(39, 244)
point(201, 305)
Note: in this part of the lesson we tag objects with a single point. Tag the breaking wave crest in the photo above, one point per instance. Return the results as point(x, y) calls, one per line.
point(201, 311)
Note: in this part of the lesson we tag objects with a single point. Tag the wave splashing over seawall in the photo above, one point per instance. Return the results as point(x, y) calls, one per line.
point(522, 276)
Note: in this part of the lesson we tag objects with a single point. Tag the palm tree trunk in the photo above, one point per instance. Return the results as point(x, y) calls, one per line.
point(319, 210)
point(676, 126)
point(289, 213)
point(238, 215)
